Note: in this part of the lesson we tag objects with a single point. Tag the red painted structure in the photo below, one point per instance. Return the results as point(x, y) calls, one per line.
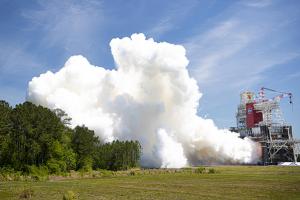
point(253, 116)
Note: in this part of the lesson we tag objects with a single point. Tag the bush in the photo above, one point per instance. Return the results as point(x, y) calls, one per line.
point(87, 168)
point(203, 170)
point(6, 170)
point(56, 166)
point(86, 164)
point(17, 176)
point(212, 171)
point(200, 170)
point(70, 159)
point(6, 173)
point(69, 195)
point(38, 173)
point(26, 194)
point(105, 173)
point(132, 173)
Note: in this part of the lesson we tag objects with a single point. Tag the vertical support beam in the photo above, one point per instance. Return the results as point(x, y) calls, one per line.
point(290, 138)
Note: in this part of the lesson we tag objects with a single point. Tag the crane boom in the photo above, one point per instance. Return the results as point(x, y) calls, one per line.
point(278, 97)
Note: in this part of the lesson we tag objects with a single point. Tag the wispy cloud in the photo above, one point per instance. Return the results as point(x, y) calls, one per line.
point(65, 26)
point(161, 27)
point(15, 59)
point(68, 24)
point(208, 50)
point(16, 67)
point(257, 3)
point(237, 50)
point(293, 76)
point(176, 13)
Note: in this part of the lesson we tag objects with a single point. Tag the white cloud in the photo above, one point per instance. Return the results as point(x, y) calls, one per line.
point(149, 97)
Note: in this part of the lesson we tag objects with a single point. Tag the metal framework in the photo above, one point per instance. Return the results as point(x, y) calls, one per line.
point(283, 147)
point(271, 112)
point(273, 133)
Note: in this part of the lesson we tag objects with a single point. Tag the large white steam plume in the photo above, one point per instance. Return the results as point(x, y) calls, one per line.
point(149, 97)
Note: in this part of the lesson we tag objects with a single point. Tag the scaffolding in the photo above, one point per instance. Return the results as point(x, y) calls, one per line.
point(261, 120)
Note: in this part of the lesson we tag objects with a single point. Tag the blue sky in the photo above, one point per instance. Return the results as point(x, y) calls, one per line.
point(232, 45)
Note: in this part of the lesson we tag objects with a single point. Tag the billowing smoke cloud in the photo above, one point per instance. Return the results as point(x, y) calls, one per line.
point(149, 97)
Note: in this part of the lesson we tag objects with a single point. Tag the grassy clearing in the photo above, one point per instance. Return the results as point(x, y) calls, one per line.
point(223, 182)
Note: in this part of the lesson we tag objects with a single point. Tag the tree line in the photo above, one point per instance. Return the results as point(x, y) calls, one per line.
point(32, 135)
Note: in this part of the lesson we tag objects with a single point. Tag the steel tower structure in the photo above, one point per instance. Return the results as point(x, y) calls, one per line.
point(261, 119)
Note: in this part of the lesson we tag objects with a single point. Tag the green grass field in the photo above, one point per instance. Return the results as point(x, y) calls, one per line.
point(229, 182)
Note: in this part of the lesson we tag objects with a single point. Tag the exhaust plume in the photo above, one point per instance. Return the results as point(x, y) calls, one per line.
point(149, 97)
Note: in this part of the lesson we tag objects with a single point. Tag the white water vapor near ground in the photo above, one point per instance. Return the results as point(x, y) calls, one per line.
point(149, 97)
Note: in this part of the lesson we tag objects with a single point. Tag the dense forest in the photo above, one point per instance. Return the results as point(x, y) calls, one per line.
point(32, 135)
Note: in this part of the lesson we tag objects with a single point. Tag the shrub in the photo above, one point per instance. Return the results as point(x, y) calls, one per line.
point(69, 195)
point(212, 171)
point(200, 170)
point(38, 173)
point(6, 173)
point(53, 166)
point(26, 194)
point(87, 168)
point(132, 173)
point(70, 159)
point(105, 173)
point(56, 166)
point(86, 164)
point(17, 176)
